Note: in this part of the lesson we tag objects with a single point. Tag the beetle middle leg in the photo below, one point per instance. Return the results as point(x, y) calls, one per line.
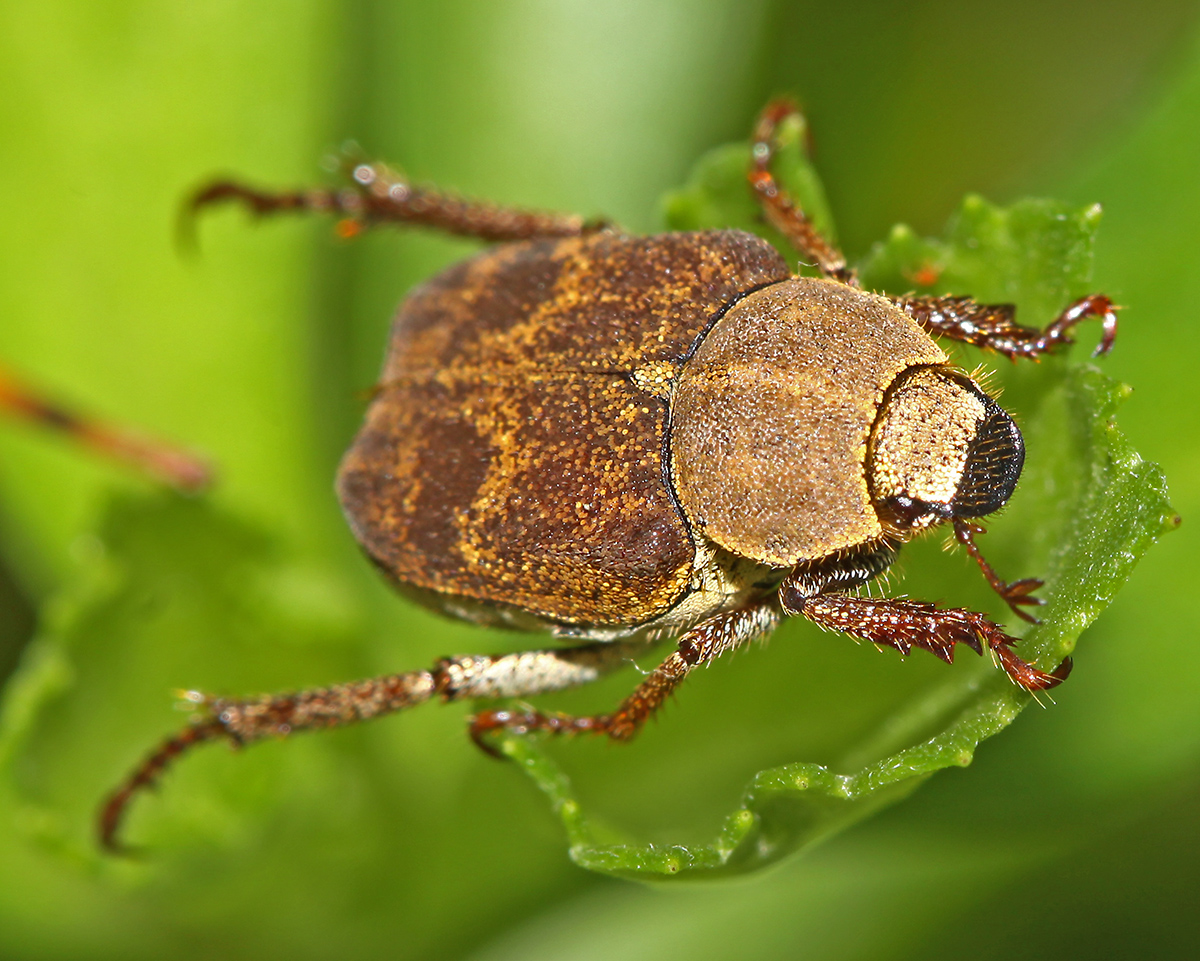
point(379, 194)
point(783, 213)
point(701, 645)
point(994, 326)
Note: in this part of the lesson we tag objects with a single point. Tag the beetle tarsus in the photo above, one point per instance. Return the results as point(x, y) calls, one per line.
point(1031, 678)
point(994, 326)
point(1093, 305)
point(145, 776)
point(244, 721)
point(486, 723)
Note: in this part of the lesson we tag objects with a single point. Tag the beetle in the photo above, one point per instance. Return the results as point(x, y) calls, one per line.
point(621, 439)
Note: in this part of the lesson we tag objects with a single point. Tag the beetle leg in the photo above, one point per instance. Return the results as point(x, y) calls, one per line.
point(1014, 593)
point(993, 326)
point(781, 211)
point(244, 721)
point(161, 460)
point(843, 571)
point(379, 194)
point(905, 624)
point(701, 645)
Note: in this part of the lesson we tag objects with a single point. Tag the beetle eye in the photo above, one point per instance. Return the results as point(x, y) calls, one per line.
point(994, 462)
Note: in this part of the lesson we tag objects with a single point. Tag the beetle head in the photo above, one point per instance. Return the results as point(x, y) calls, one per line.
point(941, 449)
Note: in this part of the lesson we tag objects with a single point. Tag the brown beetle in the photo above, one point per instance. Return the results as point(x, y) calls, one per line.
point(618, 439)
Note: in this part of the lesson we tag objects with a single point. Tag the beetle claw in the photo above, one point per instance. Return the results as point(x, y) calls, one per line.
point(1018, 593)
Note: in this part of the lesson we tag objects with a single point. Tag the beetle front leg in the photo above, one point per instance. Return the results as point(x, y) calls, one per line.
point(905, 624)
point(994, 326)
point(701, 645)
point(379, 194)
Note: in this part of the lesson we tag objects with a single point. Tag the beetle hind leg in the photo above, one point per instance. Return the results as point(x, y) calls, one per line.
point(158, 459)
point(701, 645)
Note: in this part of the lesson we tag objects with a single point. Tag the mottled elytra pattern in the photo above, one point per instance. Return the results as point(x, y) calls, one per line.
point(514, 452)
point(772, 415)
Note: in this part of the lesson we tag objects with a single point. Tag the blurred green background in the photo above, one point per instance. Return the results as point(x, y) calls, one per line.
point(1075, 834)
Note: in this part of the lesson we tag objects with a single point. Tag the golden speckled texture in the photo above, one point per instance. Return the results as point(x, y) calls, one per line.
point(923, 436)
point(511, 454)
point(771, 418)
